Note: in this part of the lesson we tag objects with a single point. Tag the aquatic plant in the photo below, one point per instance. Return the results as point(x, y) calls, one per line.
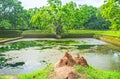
point(42, 44)
point(84, 46)
point(17, 45)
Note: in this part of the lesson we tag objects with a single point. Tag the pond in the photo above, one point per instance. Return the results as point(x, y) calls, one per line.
point(28, 55)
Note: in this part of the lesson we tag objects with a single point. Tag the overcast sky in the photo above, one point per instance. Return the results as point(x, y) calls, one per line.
point(39, 3)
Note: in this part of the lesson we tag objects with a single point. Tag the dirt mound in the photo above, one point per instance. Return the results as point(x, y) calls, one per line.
point(80, 60)
point(64, 69)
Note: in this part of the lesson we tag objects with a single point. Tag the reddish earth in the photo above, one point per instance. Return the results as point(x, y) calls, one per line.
point(64, 69)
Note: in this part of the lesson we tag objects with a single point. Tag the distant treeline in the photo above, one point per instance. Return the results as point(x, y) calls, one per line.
point(58, 17)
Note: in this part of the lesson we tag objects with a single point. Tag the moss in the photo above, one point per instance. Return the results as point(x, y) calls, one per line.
point(46, 44)
point(65, 48)
point(17, 46)
point(45, 47)
point(61, 42)
point(84, 46)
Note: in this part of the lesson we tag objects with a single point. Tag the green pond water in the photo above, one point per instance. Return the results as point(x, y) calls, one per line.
point(28, 55)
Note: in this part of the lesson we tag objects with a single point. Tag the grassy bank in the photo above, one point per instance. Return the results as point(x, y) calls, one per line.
point(40, 74)
point(46, 33)
point(101, 32)
point(89, 72)
point(112, 37)
point(38, 34)
point(93, 73)
point(70, 33)
point(105, 35)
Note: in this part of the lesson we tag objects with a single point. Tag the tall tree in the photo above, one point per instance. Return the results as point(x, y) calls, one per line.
point(12, 11)
point(50, 16)
point(111, 11)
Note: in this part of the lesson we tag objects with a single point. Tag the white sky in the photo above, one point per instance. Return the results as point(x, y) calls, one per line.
point(39, 3)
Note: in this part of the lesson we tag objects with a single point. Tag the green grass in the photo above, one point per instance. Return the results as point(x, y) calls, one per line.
point(5, 77)
point(92, 73)
point(89, 72)
point(40, 74)
point(102, 32)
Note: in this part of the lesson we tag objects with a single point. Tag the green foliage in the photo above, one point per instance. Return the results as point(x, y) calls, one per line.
point(55, 17)
point(48, 17)
point(60, 18)
point(111, 11)
point(92, 73)
point(5, 24)
point(13, 12)
point(95, 21)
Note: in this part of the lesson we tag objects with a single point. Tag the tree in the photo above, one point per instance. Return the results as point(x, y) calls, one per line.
point(5, 24)
point(95, 21)
point(70, 15)
point(50, 16)
point(60, 17)
point(111, 11)
point(12, 11)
